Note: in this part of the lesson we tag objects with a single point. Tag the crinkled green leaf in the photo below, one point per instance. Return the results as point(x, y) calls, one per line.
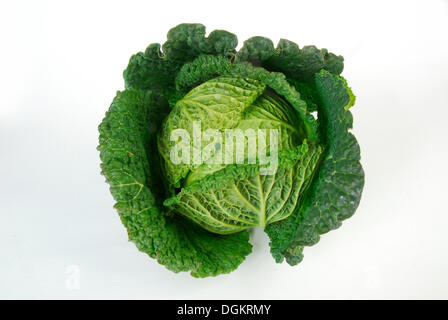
point(336, 190)
point(256, 50)
point(268, 112)
point(308, 93)
point(200, 70)
point(207, 67)
point(239, 197)
point(277, 81)
point(288, 58)
point(215, 104)
point(156, 69)
point(127, 148)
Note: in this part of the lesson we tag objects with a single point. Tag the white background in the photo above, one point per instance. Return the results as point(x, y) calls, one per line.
point(61, 63)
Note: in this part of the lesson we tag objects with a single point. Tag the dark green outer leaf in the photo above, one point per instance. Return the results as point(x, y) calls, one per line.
point(127, 143)
point(156, 69)
point(336, 190)
point(307, 92)
point(288, 58)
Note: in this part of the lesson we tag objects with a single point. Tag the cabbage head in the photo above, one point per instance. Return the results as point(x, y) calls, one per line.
point(207, 142)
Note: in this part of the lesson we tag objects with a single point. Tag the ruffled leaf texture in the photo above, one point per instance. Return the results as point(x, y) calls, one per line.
point(336, 189)
point(127, 149)
point(238, 197)
point(215, 104)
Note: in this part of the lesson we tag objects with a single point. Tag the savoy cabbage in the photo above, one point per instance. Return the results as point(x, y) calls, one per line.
point(195, 215)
